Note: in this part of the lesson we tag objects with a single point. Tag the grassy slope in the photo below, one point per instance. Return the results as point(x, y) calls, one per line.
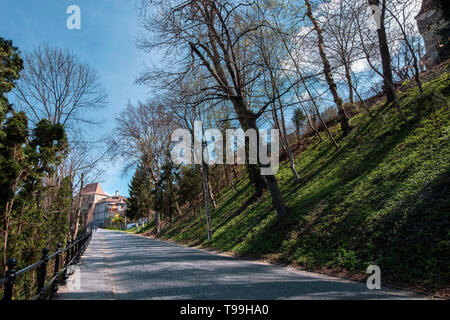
point(382, 199)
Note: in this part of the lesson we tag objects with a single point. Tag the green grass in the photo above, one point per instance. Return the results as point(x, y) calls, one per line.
point(381, 199)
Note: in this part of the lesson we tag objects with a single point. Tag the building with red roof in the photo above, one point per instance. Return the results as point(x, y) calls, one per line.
point(109, 208)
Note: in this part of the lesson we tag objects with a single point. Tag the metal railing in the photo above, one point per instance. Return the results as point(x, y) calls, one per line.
point(70, 255)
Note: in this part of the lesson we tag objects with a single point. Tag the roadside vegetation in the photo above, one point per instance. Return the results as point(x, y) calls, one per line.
point(363, 126)
point(361, 111)
point(381, 199)
point(45, 97)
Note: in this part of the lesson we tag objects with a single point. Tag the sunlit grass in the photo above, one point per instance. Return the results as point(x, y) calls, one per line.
point(382, 198)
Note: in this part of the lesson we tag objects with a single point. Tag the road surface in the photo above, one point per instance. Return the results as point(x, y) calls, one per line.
point(121, 266)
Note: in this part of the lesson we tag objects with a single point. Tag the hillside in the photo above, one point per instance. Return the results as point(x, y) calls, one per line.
point(381, 199)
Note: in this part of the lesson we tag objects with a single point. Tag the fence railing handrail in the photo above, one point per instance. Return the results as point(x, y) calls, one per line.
point(74, 249)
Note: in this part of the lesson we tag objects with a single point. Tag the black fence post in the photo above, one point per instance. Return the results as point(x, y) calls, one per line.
point(73, 252)
point(80, 248)
point(83, 249)
point(58, 259)
point(68, 252)
point(85, 242)
point(42, 272)
point(56, 270)
point(66, 264)
point(11, 275)
point(72, 249)
point(77, 244)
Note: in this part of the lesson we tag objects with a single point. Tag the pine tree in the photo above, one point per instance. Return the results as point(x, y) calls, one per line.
point(140, 195)
point(298, 119)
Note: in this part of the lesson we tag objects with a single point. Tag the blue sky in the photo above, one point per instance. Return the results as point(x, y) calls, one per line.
point(106, 41)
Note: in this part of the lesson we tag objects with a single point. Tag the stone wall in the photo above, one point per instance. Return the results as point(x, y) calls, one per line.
point(430, 21)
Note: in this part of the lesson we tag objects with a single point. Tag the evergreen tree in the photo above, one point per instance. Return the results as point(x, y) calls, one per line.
point(167, 197)
point(27, 157)
point(298, 119)
point(189, 182)
point(140, 195)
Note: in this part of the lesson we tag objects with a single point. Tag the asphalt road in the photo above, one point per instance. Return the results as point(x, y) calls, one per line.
point(120, 266)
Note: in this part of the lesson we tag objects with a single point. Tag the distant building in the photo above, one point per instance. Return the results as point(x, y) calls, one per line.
point(90, 196)
point(107, 208)
point(433, 24)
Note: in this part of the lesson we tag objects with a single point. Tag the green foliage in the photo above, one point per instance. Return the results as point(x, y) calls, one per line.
point(382, 198)
point(189, 184)
point(140, 195)
point(299, 118)
point(50, 141)
point(146, 195)
point(10, 65)
point(29, 221)
point(165, 191)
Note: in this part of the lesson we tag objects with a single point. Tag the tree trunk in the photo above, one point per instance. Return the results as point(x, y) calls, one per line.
point(235, 175)
point(343, 118)
point(211, 195)
point(248, 119)
point(313, 128)
point(70, 214)
point(206, 192)
point(177, 207)
point(348, 76)
point(230, 180)
point(384, 52)
point(411, 50)
point(191, 205)
point(387, 82)
point(149, 216)
point(363, 103)
point(277, 124)
point(80, 200)
point(5, 243)
point(157, 223)
point(336, 145)
point(277, 199)
point(289, 150)
point(89, 216)
point(283, 131)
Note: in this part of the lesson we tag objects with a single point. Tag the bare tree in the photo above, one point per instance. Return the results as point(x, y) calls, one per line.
point(367, 49)
point(142, 136)
point(55, 85)
point(78, 211)
point(345, 126)
point(384, 51)
point(268, 47)
point(291, 44)
point(401, 12)
point(58, 86)
point(211, 36)
point(311, 121)
point(342, 43)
